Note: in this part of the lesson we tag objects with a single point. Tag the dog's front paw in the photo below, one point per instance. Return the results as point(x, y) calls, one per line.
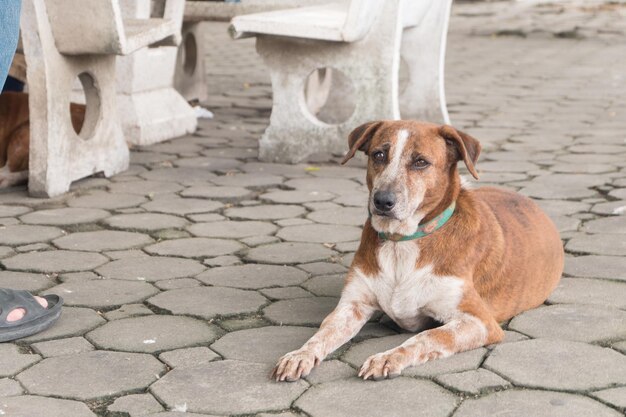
point(294, 365)
point(383, 365)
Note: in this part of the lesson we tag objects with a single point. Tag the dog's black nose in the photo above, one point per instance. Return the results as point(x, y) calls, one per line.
point(384, 200)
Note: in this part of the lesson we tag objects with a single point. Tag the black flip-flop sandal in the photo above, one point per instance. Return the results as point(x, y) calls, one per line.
point(36, 319)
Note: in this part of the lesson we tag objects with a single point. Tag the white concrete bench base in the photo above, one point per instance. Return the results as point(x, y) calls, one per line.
point(189, 76)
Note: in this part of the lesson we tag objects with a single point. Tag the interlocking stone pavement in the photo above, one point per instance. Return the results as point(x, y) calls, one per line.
point(186, 277)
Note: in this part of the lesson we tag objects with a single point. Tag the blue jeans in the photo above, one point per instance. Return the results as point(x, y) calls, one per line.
point(9, 32)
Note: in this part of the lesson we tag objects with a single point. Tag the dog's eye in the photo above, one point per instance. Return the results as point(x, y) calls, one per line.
point(420, 163)
point(378, 156)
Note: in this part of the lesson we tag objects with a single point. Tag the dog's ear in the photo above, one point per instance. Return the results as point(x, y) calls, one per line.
point(466, 147)
point(359, 139)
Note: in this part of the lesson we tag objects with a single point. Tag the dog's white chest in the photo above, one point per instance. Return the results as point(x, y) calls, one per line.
point(406, 293)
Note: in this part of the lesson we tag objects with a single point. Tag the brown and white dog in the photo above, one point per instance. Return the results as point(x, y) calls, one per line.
point(496, 256)
point(15, 136)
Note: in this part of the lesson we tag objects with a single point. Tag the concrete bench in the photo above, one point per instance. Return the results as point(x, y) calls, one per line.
point(68, 39)
point(365, 40)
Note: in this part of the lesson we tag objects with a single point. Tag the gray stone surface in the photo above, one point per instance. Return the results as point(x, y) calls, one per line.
point(60, 347)
point(128, 310)
point(473, 382)
point(195, 247)
point(605, 244)
point(10, 387)
point(338, 399)
point(102, 240)
point(103, 293)
point(263, 344)
point(107, 201)
point(253, 276)
point(534, 403)
point(55, 261)
point(153, 333)
point(172, 284)
point(285, 293)
point(145, 187)
point(182, 206)
point(614, 224)
point(13, 361)
point(226, 387)
point(232, 229)
point(65, 216)
point(31, 405)
point(188, 357)
point(297, 197)
point(330, 370)
point(589, 291)
point(147, 222)
point(557, 364)
point(265, 212)
point(310, 311)
point(320, 233)
point(208, 302)
point(22, 234)
point(136, 405)
point(10, 211)
point(150, 269)
point(91, 375)
point(217, 193)
point(594, 266)
point(289, 253)
point(614, 396)
point(326, 285)
point(583, 323)
point(353, 216)
point(25, 281)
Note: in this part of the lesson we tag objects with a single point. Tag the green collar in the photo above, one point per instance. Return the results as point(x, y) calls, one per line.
point(423, 229)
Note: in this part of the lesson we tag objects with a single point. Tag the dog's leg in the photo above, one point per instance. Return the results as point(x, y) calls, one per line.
point(354, 309)
point(472, 327)
point(9, 179)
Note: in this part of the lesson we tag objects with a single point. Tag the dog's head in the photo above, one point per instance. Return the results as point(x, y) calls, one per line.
point(411, 170)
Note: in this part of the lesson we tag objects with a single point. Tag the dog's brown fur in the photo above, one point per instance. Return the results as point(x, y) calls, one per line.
point(15, 135)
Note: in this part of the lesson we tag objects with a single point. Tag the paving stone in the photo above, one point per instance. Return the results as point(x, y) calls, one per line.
point(599, 244)
point(589, 291)
point(326, 285)
point(611, 207)
point(31, 405)
point(145, 157)
point(151, 269)
point(226, 387)
point(584, 323)
point(593, 266)
point(285, 414)
point(259, 240)
point(55, 261)
point(613, 396)
point(293, 222)
point(473, 382)
point(332, 185)
point(557, 364)
point(170, 234)
point(24, 234)
point(102, 240)
point(172, 284)
point(323, 268)
point(34, 247)
point(320, 233)
point(74, 321)
point(285, 293)
point(270, 343)
point(153, 333)
point(11, 211)
point(9, 388)
point(147, 222)
point(371, 330)
point(107, 201)
point(194, 356)
point(562, 186)
point(103, 293)
point(128, 310)
point(227, 194)
point(309, 311)
point(91, 375)
point(178, 414)
point(65, 216)
point(208, 302)
point(25, 281)
point(566, 223)
point(248, 180)
point(145, 187)
point(136, 405)
point(194, 247)
point(330, 370)
point(6, 251)
point(253, 276)
point(126, 254)
point(337, 399)
point(208, 163)
point(297, 197)
point(206, 217)
point(62, 347)
point(265, 212)
point(186, 176)
point(289, 253)
point(236, 324)
point(232, 229)
point(614, 224)
point(13, 361)
point(227, 260)
point(286, 170)
point(352, 216)
point(183, 206)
